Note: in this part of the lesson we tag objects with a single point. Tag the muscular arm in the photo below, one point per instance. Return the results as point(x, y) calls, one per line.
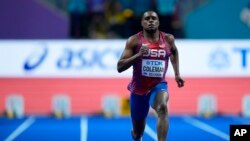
point(128, 56)
point(174, 58)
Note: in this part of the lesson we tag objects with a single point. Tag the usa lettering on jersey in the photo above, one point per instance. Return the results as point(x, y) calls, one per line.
point(155, 53)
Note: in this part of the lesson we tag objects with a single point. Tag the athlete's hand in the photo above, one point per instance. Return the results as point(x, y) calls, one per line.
point(143, 49)
point(180, 82)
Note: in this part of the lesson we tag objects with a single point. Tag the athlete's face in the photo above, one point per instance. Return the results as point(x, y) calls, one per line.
point(150, 21)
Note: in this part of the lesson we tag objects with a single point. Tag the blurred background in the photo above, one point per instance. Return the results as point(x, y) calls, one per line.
point(87, 19)
point(58, 67)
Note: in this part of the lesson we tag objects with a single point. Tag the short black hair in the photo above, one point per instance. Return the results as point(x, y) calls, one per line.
point(149, 11)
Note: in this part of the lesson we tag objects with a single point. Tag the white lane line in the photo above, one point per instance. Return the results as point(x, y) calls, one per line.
point(206, 127)
point(26, 124)
point(151, 132)
point(84, 128)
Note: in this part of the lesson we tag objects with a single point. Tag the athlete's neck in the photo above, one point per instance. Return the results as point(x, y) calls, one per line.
point(151, 36)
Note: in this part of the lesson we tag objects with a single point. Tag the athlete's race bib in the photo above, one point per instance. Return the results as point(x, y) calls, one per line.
point(153, 68)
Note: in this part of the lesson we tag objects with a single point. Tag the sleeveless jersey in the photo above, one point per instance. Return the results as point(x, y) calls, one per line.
point(150, 69)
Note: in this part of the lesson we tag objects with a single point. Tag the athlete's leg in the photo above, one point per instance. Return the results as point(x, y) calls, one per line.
point(139, 107)
point(138, 129)
point(159, 104)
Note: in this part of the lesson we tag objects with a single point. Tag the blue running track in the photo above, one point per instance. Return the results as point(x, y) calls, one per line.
point(99, 128)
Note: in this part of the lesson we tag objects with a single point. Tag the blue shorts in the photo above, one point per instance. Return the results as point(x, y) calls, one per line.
point(139, 104)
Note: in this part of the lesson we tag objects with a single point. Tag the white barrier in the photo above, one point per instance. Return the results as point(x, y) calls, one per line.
point(61, 106)
point(14, 106)
point(111, 105)
point(207, 105)
point(246, 105)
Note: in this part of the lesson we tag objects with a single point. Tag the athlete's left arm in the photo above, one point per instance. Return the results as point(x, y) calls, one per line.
point(174, 58)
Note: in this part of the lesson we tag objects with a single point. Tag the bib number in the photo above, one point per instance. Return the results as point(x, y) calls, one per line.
point(153, 68)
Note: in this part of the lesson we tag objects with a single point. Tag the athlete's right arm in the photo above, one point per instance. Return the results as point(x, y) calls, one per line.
point(128, 56)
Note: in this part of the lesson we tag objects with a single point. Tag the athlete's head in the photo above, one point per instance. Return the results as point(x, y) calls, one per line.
point(150, 21)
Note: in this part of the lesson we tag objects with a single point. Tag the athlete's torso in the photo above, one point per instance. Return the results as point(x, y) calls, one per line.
point(152, 67)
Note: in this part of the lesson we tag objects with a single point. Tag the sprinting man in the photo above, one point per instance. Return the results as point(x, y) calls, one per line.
point(148, 52)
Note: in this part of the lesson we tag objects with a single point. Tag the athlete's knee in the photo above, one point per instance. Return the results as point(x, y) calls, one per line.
point(162, 110)
point(136, 135)
point(138, 128)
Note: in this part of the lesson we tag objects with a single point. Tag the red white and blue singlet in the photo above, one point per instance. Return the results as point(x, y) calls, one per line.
point(151, 68)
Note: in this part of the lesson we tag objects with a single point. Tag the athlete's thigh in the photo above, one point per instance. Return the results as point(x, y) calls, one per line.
point(139, 106)
point(161, 99)
point(159, 95)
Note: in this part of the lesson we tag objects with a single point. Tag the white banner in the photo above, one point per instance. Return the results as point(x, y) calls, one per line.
point(214, 58)
point(98, 58)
